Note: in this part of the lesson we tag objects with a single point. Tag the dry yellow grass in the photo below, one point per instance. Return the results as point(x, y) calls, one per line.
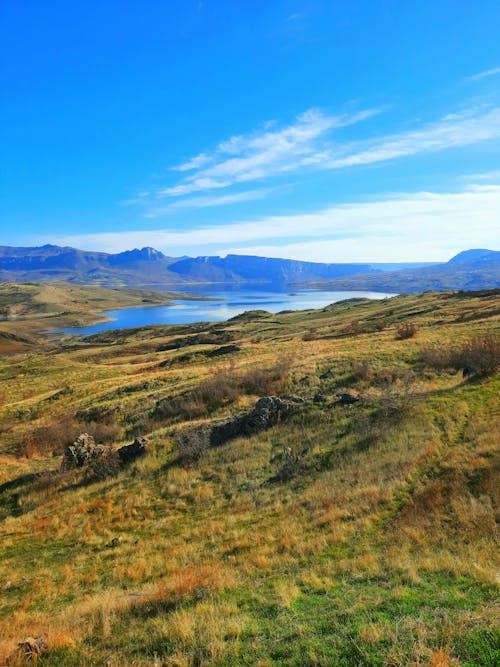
point(207, 552)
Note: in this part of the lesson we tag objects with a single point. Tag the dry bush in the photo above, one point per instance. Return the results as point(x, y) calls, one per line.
point(406, 330)
point(102, 467)
point(441, 658)
point(478, 356)
point(362, 371)
point(262, 381)
point(481, 354)
point(395, 402)
point(219, 389)
point(192, 445)
point(102, 432)
point(50, 439)
point(225, 386)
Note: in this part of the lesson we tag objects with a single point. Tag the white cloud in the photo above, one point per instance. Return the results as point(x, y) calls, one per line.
point(483, 75)
point(246, 158)
point(420, 226)
point(209, 201)
point(483, 176)
point(454, 130)
point(193, 163)
point(304, 145)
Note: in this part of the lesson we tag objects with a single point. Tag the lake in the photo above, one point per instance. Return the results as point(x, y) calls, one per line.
point(230, 302)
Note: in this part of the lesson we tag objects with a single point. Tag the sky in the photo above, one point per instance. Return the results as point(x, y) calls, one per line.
point(332, 131)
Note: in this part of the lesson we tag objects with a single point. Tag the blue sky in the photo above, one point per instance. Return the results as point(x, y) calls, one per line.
point(330, 131)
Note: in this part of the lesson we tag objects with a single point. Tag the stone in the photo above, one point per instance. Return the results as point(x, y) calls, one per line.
point(346, 399)
point(83, 450)
point(114, 542)
point(267, 412)
point(130, 453)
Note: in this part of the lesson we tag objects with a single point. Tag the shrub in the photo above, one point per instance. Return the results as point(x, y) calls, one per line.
point(478, 356)
point(102, 467)
point(225, 386)
point(395, 402)
point(221, 388)
point(102, 432)
point(191, 445)
point(261, 381)
point(362, 371)
point(50, 439)
point(406, 330)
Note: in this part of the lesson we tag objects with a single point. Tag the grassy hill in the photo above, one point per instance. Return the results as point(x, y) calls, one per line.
point(344, 534)
point(28, 308)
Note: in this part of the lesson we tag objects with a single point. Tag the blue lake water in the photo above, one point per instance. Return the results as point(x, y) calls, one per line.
point(230, 302)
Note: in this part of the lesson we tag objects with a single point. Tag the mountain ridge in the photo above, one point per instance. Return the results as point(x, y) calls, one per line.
point(147, 267)
point(473, 269)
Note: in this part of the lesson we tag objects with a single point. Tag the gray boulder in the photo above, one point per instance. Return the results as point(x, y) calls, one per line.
point(267, 412)
point(83, 451)
point(130, 453)
point(346, 399)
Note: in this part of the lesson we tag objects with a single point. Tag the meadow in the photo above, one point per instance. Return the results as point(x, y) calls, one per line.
point(355, 532)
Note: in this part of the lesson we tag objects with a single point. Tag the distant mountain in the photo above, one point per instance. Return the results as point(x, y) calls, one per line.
point(469, 270)
point(248, 268)
point(150, 267)
point(51, 263)
point(147, 267)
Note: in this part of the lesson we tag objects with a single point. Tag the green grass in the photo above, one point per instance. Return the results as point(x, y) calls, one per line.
point(378, 549)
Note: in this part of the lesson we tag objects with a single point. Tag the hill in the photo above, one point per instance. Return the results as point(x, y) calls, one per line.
point(151, 268)
point(469, 270)
point(28, 308)
point(351, 521)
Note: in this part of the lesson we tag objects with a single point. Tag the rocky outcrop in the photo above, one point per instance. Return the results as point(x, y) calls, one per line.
point(83, 451)
point(267, 412)
point(130, 453)
point(346, 399)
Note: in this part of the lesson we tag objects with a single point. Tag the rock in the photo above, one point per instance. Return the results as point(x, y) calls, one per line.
point(28, 650)
point(346, 399)
point(266, 413)
point(319, 398)
point(293, 398)
point(83, 451)
point(114, 542)
point(130, 453)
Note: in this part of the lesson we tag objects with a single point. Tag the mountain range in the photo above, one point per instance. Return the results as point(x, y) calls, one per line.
point(469, 270)
point(147, 267)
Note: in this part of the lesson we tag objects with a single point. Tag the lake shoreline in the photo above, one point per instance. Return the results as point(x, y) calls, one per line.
point(214, 307)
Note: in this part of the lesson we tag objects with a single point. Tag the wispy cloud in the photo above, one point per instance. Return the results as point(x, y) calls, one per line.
point(454, 130)
point(483, 176)
point(262, 154)
point(483, 75)
point(408, 226)
point(208, 201)
point(306, 145)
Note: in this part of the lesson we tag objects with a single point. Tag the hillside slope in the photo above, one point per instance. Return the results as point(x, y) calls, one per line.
point(350, 532)
point(469, 270)
point(28, 308)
